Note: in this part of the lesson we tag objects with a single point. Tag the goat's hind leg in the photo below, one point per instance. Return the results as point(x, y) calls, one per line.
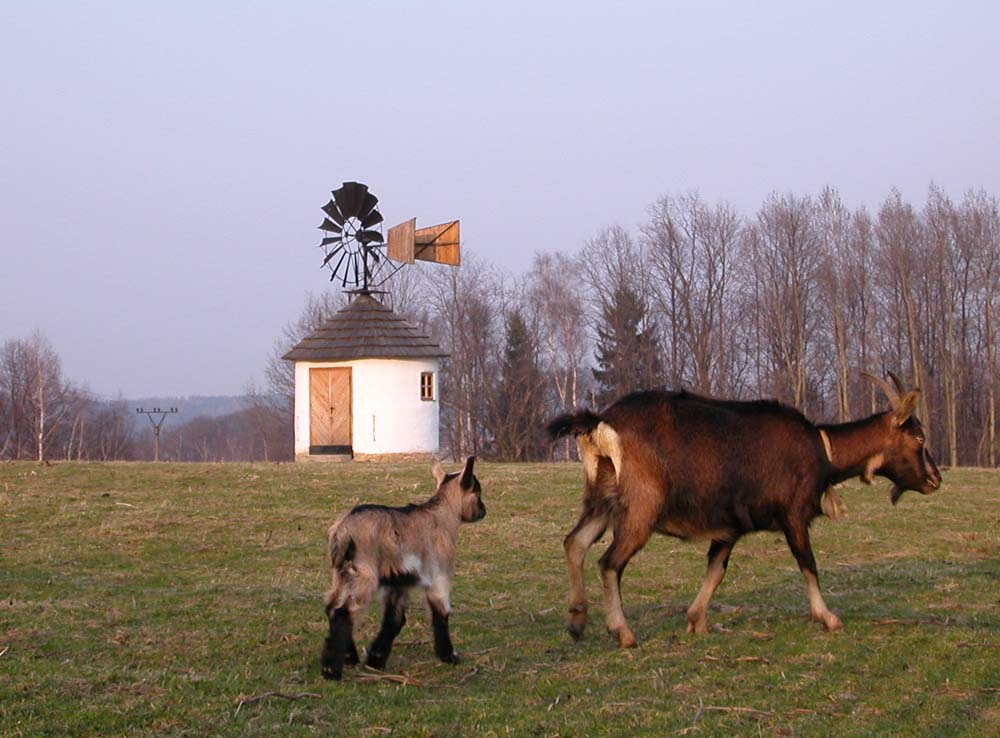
point(339, 643)
point(394, 600)
point(798, 541)
point(631, 534)
point(589, 528)
point(718, 561)
point(345, 602)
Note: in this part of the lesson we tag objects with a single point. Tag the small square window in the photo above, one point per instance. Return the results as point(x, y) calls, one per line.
point(426, 385)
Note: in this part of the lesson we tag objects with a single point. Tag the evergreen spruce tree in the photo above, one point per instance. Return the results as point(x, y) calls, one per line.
point(628, 350)
point(518, 407)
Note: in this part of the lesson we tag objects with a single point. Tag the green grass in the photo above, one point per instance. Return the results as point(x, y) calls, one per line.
point(149, 600)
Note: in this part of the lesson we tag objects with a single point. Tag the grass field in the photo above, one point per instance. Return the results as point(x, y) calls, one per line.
point(156, 600)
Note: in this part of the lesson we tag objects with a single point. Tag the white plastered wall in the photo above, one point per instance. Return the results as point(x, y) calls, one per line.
point(388, 416)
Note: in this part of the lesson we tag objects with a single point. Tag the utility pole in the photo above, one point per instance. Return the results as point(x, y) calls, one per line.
point(156, 425)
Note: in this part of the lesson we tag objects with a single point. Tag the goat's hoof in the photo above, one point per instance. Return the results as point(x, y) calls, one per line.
point(376, 661)
point(451, 658)
point(331, 673)
point(698, 627)
point(329, 665)
point(626, 639)
point(831, 623)
point(575, 630)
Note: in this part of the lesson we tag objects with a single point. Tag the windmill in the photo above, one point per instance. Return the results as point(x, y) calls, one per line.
point(358, 255)
point(366, 379)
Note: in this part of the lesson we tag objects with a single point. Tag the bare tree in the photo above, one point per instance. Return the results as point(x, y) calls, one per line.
point(858, 264)
point(554, 297)
point(80, 410)
point(15, 385)
point(279, 374)
point(690, 248)
point(781, 249)
point(267, 434)
point(406, 293)
point(834, 231)
point(977, 233)
point(468, 305)
point(948, 298)
point(900, 239)
point(111, 435)
point(48, 398)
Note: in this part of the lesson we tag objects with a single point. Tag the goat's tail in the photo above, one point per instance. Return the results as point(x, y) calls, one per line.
point(595, 439)
point(341, 547)
point(340, 544)
point(582, 421)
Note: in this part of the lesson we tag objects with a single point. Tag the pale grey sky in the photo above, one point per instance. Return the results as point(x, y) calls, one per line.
point(162, 165)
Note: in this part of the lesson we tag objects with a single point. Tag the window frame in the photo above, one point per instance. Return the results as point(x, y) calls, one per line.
point(427, 382)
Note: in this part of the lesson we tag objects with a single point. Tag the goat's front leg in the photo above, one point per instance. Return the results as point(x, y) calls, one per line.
point(718, 561)
point(631, 534)
point(589, 528)
point(394, 601)
point(439, 599)
point(797, 536)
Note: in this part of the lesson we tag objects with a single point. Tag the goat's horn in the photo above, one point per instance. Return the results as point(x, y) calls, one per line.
point(890, 392)
point(900, 387)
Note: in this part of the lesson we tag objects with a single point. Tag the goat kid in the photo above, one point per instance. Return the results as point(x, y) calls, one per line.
point(389, 550)
point(704, 469)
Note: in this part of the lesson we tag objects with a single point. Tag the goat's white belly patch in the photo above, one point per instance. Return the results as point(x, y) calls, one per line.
point(413, 564)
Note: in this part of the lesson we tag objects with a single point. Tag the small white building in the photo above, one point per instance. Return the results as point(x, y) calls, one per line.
point(366, 386)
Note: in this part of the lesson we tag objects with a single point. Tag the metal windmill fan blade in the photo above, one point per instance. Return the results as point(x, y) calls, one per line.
point(333, 275)
point(350, 197)
point(367, 205)
point(333, 211)
point(347, 270)
point(373, 218)
point(332, 254)
point(354, 245)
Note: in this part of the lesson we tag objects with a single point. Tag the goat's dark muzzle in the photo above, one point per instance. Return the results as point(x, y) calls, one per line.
point(930, 483)
point(933, 473)
point(933, 480)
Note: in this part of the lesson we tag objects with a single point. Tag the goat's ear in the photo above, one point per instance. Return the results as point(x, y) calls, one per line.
point(906, 406)
point(467, 474)
point(438, 471)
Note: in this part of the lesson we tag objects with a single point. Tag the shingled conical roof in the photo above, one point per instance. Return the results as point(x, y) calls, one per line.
point(365, 329)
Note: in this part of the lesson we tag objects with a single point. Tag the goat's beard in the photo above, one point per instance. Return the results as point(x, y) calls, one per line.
point(895, 493)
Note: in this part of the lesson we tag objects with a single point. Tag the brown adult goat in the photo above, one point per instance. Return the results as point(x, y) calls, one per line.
point(700, 468)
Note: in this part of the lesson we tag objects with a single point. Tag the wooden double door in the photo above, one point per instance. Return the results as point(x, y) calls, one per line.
point(330, 411)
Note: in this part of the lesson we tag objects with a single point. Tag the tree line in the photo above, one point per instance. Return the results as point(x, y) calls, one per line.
point(793, 302)
point(44, 416)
